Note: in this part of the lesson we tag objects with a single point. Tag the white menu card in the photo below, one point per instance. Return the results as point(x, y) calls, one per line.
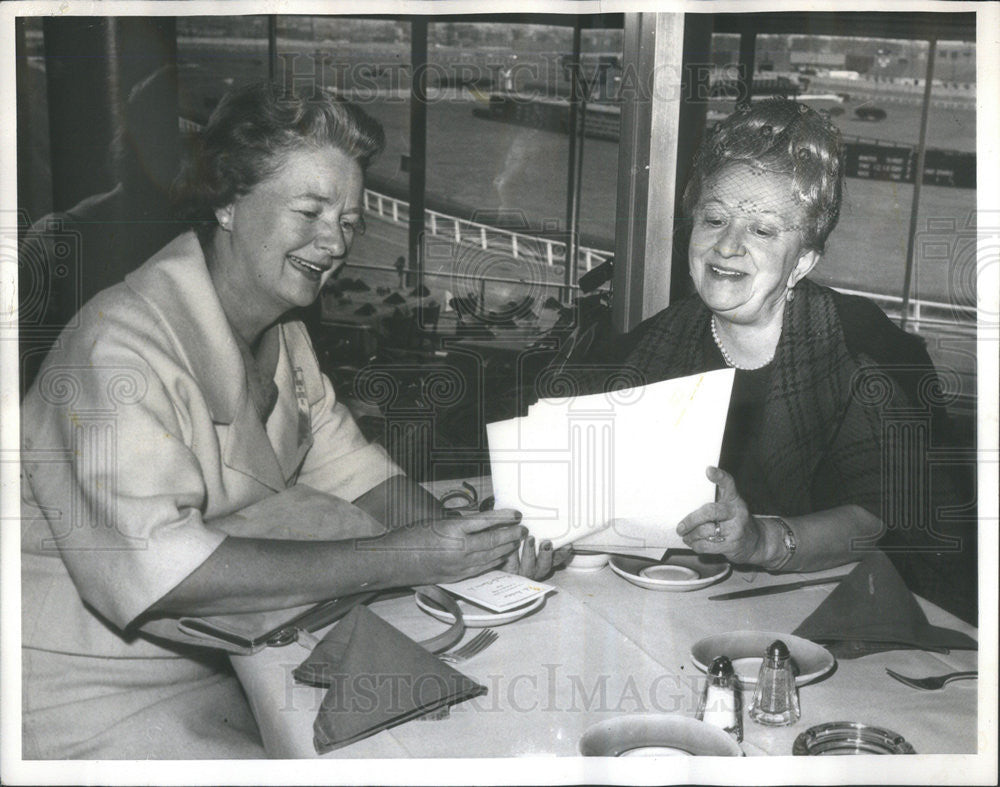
point(613, 472)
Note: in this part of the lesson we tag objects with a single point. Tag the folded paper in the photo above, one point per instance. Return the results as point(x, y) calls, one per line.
point(377, 678)
point(613, 472)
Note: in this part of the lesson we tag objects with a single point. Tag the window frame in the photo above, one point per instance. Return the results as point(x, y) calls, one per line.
point(661, 134)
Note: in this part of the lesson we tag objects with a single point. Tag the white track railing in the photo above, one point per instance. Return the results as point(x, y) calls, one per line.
point(519, 245)
point(923, 313)
point(539, 249)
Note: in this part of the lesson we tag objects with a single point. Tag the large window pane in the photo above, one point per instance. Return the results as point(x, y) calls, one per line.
point(367, 62)
point(215, 53)
point(499, 156)
point(34, 173)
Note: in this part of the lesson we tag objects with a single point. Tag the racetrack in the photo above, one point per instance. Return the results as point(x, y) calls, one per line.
point(492, 166)
point(480, 165)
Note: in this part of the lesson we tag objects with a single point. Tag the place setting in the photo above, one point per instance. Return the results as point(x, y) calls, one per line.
point(750, 679)
point(759, 678)
point(717, 729)
point(679, 571)
point(488, 600)
point(377, 677)
point(657, 735)
point(746, 649)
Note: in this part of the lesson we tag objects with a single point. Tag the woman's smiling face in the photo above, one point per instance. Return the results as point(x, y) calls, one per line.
point(746, 246)
point(290, 233)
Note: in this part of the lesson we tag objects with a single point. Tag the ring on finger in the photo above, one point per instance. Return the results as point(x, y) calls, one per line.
point(717, 537)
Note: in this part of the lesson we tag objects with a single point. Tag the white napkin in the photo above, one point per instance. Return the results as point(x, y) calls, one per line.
point(613, 472)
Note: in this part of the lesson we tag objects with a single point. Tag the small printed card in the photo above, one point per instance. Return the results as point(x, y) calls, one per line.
point(498, 591)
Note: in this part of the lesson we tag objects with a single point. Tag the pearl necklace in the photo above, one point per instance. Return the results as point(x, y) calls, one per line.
point(729, 361)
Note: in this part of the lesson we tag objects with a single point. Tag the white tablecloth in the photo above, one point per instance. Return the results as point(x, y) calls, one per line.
point(601, 647)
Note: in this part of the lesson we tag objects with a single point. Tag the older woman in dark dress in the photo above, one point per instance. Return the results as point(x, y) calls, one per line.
point(806, 473)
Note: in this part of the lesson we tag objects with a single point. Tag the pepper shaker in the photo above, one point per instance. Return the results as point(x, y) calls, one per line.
point(722, 700)
point(775, 700)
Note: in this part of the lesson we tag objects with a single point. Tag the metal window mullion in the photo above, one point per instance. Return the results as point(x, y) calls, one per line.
point(572, 192)
point(418, 144)
point(747, 64)
point(647, 167)
point(918, 181)
point(272, 46)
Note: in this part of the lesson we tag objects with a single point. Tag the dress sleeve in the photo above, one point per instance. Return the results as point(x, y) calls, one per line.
point(928, 515)
point(892, 424)
point(882, 455)
point(107, 462)
point(850, 470)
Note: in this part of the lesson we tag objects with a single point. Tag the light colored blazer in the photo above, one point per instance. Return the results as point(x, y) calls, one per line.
point(140, 428)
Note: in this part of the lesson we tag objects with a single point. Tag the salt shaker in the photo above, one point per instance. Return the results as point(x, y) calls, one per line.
point(775, 700)
point(722, 701)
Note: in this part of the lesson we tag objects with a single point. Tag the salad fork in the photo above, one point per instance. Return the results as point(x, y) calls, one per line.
point(477, 644)
point(933, 682)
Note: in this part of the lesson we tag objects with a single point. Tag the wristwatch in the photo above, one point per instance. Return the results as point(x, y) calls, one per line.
point(787, 538)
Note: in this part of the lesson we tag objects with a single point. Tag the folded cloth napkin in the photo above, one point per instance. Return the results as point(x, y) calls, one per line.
point(871, 611)
point(378, 678)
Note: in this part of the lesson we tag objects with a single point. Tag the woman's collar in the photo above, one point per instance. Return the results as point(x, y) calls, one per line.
point(176, 282)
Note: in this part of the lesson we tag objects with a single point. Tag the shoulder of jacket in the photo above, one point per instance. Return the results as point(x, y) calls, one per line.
point(679, 312)
point(868, 331)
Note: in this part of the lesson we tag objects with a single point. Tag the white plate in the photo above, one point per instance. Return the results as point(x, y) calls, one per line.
point(680, 572)
point(585, 562)
point(475, 616)
point(746, 650)
point(657, 735)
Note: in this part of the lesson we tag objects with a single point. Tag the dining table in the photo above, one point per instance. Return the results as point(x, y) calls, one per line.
point(600, 648)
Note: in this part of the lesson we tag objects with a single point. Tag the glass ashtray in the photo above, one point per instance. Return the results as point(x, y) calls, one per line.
point(849, 737)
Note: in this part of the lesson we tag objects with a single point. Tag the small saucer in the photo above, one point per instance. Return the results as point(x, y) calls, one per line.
point(657, 735)
point(475, 616)
point(745, 650)
point(655, 751)
point(667, 573)
point(587, 562)
point(679, 572)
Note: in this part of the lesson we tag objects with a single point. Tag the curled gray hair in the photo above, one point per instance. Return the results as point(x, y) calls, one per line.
point(783, 136)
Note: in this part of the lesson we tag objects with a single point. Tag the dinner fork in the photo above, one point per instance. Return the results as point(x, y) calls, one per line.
point(477, 644)
point(933, 682)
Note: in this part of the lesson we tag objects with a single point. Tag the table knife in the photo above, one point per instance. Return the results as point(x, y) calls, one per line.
point(313, 619)
point(772, 589)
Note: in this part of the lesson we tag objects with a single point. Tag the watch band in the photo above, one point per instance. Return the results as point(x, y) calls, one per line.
point(788, 539)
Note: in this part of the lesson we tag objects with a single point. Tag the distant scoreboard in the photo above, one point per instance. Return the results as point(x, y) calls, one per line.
point(886, 162)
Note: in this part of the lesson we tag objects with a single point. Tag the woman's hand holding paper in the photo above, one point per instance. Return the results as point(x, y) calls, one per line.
point(725, 526)
point(537, 564)
point(446, 548)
